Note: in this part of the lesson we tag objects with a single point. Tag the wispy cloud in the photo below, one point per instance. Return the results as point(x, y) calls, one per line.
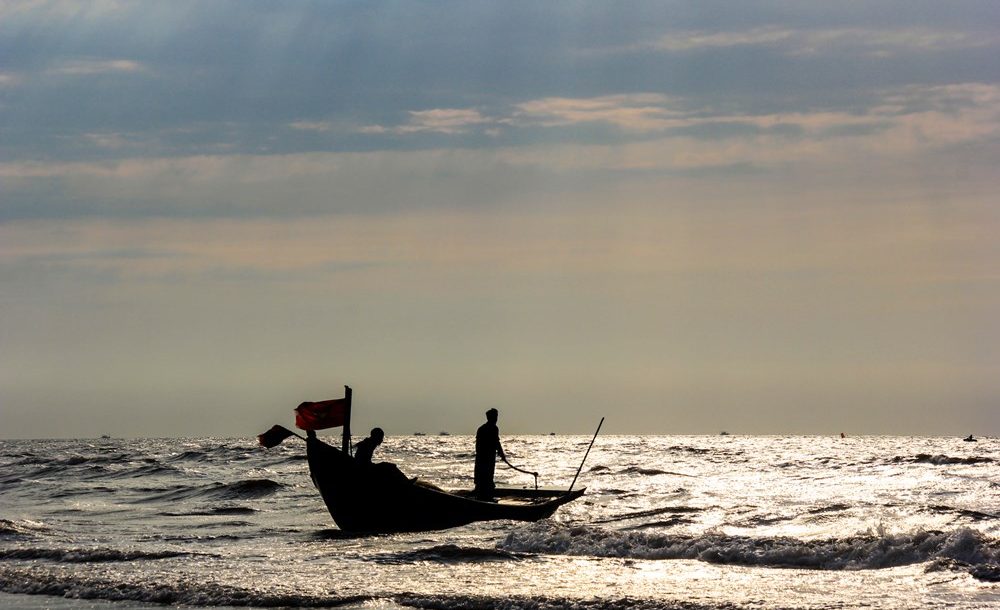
point(438, 120)
point(314, 126)
point(907, 121)
point(869, 41)
point(696, 40)
point(633, 112)
point(62, 9)
point(93, 66)
point(931, 115)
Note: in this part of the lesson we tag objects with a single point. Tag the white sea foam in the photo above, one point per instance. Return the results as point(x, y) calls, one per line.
point(853, 553)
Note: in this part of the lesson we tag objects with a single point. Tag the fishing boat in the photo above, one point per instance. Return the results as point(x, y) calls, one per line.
point(379, 498)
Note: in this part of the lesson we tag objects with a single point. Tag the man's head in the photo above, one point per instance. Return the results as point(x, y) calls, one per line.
point(491, 416)
point(377, 435)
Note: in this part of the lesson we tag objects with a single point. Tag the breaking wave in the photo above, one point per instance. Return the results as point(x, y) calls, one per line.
point(212, 595)
point(21, 527)
point(86, 555)
point(63, 585)
point(942, 460)
point(473, 602)
point(450, 553)
point(967, 546)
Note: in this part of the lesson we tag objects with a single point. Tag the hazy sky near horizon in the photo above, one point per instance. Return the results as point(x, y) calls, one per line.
point(759, 217)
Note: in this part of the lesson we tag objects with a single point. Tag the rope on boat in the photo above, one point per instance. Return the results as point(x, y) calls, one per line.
point(534, 474)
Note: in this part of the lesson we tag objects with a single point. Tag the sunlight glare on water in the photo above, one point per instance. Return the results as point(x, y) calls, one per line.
point(715, 521)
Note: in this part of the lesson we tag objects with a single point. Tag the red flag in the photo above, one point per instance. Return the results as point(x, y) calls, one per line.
point(323, 414)
point(274, 436)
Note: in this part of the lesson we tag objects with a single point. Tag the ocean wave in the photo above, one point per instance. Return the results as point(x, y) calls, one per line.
point(974, 515)
point(82, 491)
point(61, 584)
point(148, 470)
point(74, 586)
point(663, 523)
point(219, 510)
point(449, 553)
point(650, 513)
point(21, 527)
point(74, 460)
point(189, 456)
point(77, 466)
point(831, 508)
point(474, 602)
point(649, 472)
point(251, 488)
point(854, 553)
point(942, 460)
point(86, 555)
point(241, 490)
point(691, 450)
point(59, 471)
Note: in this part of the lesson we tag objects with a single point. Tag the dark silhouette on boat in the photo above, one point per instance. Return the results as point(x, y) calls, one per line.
point(380, 499)
point(365, 497)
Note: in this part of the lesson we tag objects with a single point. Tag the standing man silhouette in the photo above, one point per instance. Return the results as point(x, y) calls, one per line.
point(487, 449)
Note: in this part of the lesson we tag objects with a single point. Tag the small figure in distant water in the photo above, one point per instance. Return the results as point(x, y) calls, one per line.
point(487, 449)
point(364, 450)
point(842, 435)
point(970, 439)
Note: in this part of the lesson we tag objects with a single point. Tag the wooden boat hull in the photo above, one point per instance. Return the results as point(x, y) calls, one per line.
point(379, 498)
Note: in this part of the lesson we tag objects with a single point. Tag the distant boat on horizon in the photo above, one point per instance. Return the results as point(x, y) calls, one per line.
point(443, 433)
point(419, 434)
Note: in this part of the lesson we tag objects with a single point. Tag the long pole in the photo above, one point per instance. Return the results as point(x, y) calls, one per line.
point(585, 456)
point(345, 442)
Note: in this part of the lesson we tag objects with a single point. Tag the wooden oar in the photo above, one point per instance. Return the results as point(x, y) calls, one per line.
point(585, 456)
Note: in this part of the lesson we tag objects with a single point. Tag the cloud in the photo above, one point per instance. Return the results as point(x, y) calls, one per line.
point(906, 130)
point(857, 40)
point(60, 9)
point(451, 121)
point(94, 66)
point(631, 112)
point(314, 126)
point(691, 41)
point(933, 115)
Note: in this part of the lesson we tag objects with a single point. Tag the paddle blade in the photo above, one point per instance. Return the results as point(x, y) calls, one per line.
point(274, 436)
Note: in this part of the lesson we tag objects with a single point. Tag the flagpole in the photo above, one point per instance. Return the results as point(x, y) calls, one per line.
point(346, 444)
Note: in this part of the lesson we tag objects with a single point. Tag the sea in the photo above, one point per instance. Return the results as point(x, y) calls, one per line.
point(674, 522)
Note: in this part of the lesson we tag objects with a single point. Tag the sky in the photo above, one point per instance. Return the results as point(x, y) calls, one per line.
point(762, 217)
